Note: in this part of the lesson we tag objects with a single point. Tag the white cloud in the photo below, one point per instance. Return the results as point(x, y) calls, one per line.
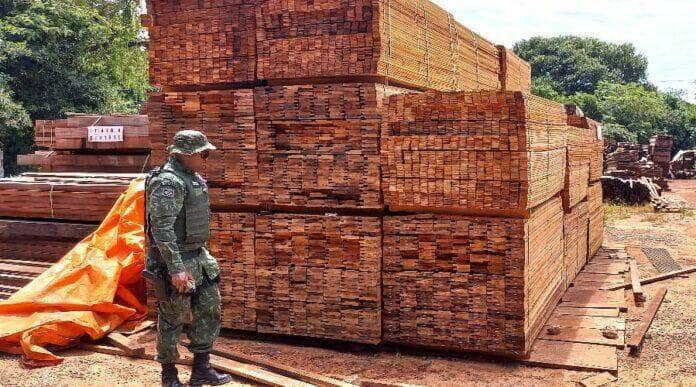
point(664, 31)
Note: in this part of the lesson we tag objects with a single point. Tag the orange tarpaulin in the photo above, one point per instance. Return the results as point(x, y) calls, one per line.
point(91, 291)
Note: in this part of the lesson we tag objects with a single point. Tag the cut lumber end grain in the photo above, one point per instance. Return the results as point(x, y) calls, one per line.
point(636, 340)
point(635, 282)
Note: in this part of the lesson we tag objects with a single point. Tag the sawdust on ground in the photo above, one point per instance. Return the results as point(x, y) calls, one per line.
point(668, 356)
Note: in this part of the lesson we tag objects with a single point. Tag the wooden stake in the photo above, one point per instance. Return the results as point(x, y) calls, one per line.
point(658, 278)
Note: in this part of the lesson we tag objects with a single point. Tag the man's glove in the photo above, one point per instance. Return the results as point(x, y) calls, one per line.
point(183, 282)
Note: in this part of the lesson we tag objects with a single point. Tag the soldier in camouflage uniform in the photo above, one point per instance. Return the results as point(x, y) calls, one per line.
point(184, 275)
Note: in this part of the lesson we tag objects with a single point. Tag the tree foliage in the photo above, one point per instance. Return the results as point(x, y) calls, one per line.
point(609, 83)
point(576, 64)
point(14, 124)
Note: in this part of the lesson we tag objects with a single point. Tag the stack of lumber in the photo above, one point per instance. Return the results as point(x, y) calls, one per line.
point(201, 43)
point(515, 73)
point(596, 218)
point(319, 276)
point(591, 141)
point(401, 42)
point(416, 44)
point(71, 149)
point(575, 235)
point(661, 151)
point(73, 197)
point(232, 243)
point(683, 165)
point(28, 248)
point(492, 151)
point(226, 117)
point(320, 134)
point(579, 154)
point(55, 161)
point(319, 145)
point(471, 283)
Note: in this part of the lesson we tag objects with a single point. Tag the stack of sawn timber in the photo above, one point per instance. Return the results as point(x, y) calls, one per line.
point(301, 224)
point(65, 145)
point(239, 43)
point(29, 247)
point(583, 226)
point(42, 216)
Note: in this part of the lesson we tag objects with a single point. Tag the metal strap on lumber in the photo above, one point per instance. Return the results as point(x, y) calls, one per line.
point(454, 48)
point(427, 43)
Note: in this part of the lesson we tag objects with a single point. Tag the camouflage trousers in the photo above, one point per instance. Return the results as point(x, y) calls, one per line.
point(203, 308)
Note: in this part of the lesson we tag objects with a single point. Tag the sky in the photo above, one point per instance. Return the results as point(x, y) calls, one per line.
point(664, 31)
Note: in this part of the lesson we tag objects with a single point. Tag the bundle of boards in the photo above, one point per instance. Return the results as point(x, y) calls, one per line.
point(43, 215)
point(401, 42)
point(383, 173)
point(66, 146)
point(61, 196)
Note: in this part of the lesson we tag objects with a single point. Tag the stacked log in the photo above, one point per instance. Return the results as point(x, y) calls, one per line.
point(488, 151)
point(72, 197)
point(71, 148)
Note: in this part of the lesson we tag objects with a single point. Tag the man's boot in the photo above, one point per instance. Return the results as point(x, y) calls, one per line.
point(203, 373)
point(170, 376)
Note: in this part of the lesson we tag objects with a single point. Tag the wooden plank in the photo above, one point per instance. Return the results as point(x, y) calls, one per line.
point(598, 380)
point(635, 282)
point(125, 344)
point(593, 322)
point(657, 278)
point(245, 371)
point(574, 356)
point(580, 311)
point(636, 340)
point(584, 335)
point(306, 376)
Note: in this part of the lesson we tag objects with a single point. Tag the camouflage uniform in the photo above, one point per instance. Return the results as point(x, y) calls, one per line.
point(178, 219)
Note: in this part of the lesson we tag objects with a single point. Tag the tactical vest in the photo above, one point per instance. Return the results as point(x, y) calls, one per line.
point(195, 214)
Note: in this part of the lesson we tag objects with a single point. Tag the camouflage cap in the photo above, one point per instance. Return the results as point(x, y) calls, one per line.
point(189, 142)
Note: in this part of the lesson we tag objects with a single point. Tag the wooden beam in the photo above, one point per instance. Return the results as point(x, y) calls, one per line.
point(125, 344)
point(657, 278)
point(309, 377)
point(638, 335)
point(635, 281)
point(246, 371)
point(598, 380)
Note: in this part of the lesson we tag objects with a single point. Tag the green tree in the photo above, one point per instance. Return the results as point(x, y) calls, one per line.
point(15, 130)
point(577, 64)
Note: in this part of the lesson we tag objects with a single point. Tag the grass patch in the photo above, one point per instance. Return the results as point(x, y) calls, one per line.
point(619, 211)
point(657, 218)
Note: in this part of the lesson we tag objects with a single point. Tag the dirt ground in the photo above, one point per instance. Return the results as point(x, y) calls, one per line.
point(668, 357)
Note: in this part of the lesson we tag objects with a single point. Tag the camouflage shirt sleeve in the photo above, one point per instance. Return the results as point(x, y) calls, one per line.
point(165, 203)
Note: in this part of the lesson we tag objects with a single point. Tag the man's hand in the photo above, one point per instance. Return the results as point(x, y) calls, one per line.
point(183, 282)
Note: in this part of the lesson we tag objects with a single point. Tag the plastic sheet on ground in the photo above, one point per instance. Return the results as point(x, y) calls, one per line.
point(94, 289)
